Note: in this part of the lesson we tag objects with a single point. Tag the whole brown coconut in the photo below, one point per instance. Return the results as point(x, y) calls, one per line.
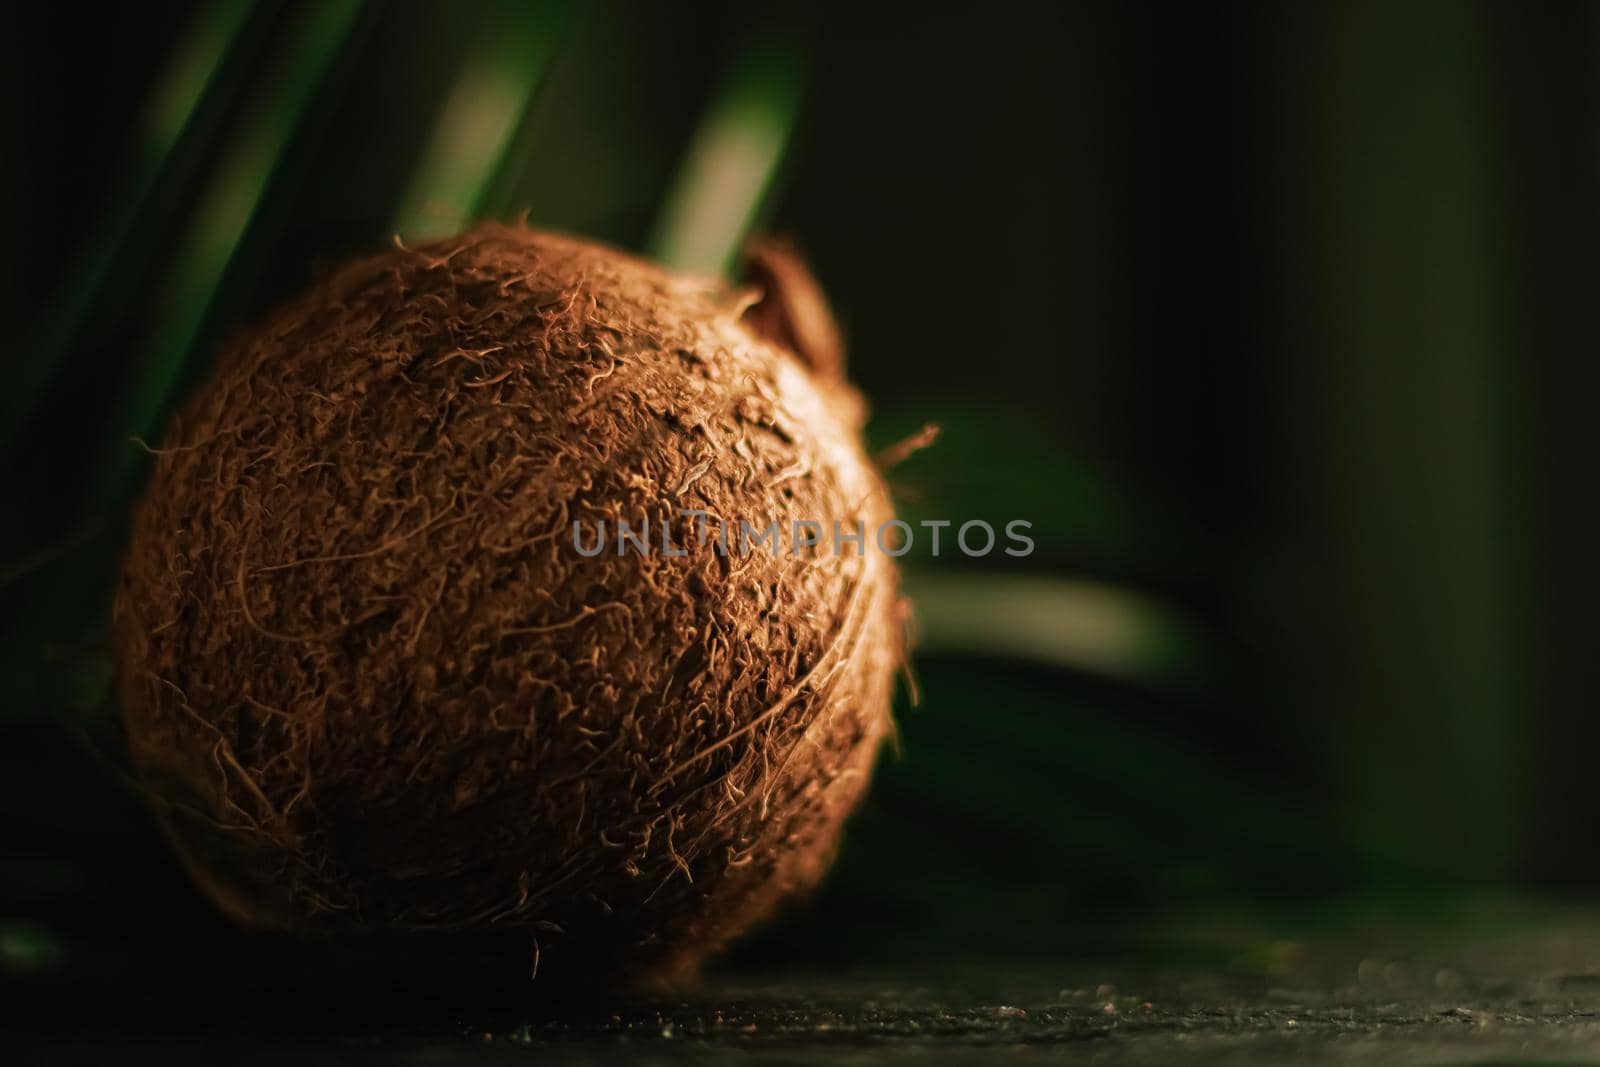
point(369, 680)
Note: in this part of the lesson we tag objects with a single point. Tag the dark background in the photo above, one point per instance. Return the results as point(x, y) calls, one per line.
point(1277, 321)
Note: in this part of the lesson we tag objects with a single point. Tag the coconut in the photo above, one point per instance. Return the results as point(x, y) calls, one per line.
point(374, 680)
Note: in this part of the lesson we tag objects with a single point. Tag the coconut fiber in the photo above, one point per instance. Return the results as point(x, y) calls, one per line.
point(369, 683)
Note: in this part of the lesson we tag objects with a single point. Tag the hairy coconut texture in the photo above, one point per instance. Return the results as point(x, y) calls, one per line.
point(370, 683)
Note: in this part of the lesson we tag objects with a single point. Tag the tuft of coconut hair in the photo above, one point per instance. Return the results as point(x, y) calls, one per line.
point(370, 682)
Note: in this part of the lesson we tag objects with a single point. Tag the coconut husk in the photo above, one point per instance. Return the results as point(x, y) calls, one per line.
point(371, 685)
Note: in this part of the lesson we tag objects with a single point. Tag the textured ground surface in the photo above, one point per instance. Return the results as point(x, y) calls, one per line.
point(1487, 986)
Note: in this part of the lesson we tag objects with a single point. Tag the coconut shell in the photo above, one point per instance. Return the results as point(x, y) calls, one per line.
point(370, 684)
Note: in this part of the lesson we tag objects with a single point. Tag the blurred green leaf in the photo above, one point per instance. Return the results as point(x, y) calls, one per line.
point(221, 217)
point(731, 161)
point(1059, 622)
point(471, 137)
point(190, 73)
